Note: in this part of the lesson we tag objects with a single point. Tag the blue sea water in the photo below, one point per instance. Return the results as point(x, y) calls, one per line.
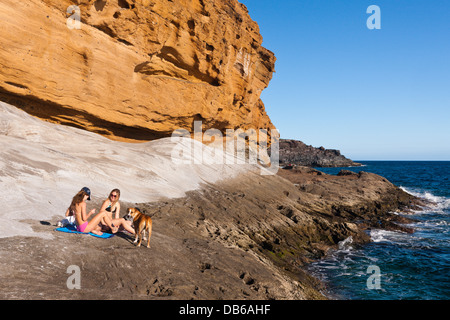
point(396, 265)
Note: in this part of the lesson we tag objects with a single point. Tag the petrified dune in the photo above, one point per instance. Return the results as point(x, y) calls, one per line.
point(136, 70)
point(42, 165)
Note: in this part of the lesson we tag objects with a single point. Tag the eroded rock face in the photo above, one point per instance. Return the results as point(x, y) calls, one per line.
point(137, 69)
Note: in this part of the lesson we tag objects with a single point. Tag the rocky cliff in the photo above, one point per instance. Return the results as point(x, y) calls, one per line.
point(135, 70)
point(298, 153)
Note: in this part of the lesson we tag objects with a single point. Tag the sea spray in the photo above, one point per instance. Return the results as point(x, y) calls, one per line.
point(412, 266)
point(346, 244)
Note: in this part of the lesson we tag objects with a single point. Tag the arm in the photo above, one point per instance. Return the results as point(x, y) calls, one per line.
point(67, 212)
point(84, 217)
point(83, 212)
point(104, 206)
point(118, 210)
point(107, 220)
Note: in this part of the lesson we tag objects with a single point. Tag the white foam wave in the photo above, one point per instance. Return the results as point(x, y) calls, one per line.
point(346, 244)
point(379, 235)
point(438, 204)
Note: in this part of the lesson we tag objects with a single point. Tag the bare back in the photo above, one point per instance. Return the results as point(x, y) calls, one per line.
point(79, 211)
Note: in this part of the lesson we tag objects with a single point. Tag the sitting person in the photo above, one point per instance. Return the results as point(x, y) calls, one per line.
point(78, 209)
point(112, 207)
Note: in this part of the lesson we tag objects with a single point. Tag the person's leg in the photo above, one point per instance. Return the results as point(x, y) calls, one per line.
point(121, 222)
point(97, 230)
point(128, 225)
point(93, 224)
point(108, 222)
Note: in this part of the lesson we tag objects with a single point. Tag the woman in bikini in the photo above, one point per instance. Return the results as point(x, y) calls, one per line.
point(112, 207)
point(78, 209)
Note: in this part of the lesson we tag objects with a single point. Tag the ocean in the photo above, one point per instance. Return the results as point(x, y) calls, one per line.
point(396, 265)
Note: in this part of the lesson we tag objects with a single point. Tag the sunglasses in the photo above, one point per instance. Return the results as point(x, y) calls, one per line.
point(113, 196)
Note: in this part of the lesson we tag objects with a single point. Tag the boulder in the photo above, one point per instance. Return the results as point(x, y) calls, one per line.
point(347, 173)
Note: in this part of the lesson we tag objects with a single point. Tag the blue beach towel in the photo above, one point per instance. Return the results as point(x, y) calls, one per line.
point(73, 229)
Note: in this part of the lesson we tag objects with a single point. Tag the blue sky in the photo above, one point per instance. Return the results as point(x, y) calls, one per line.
point(373, 94)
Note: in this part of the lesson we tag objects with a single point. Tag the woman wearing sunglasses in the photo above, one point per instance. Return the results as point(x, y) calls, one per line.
point(112, 206)
point(77, 209)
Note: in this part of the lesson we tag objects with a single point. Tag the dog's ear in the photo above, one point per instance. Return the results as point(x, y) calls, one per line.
point(138, 209)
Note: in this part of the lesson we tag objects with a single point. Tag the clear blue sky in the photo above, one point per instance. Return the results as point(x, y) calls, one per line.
point(374, 94)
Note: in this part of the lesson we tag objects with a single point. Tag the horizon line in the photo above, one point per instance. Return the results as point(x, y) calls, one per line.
point(403, 160)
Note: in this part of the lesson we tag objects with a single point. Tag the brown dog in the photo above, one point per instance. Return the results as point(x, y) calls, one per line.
point(141, 223)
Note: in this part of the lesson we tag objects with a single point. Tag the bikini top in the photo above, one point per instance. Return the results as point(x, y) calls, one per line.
point(109, 208)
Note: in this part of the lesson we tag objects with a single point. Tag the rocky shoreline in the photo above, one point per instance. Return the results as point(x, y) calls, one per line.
point(294, 152)
point(245, 238)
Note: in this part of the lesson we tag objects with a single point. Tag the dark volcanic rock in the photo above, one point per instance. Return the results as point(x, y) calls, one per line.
point(298, 153)
point(346, 173)
point(245, 238)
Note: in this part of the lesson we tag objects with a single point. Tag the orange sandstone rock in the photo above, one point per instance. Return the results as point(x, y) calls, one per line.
point(136, 70)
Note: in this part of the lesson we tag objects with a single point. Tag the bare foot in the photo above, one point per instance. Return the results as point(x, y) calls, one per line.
point(99, 233)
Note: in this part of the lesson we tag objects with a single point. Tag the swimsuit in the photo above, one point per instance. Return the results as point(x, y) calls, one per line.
point(82, 227)
point(109, 208)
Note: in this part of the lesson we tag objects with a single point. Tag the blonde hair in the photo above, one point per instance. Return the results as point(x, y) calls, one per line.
point(113, 203)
